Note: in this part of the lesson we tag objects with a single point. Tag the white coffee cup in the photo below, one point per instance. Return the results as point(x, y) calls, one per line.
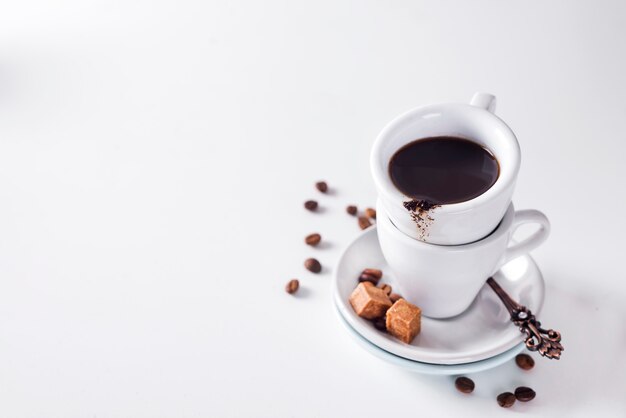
point(444, 280)
point(458, 223)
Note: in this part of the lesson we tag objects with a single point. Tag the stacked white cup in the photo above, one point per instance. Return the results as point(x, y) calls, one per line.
point(443, 269)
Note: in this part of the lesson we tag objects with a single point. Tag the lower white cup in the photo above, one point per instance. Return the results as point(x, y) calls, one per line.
point(443, 280)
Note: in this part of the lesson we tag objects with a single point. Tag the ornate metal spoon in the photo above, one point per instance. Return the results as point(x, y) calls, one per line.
point(546, 342)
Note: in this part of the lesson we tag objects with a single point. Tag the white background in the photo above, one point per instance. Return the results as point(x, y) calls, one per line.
point(154, 157)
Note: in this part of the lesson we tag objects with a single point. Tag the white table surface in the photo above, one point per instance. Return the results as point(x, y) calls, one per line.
point(154, 157)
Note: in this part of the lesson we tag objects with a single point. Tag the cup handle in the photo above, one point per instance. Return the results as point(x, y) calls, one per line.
point(484, 100)
point(522, 217)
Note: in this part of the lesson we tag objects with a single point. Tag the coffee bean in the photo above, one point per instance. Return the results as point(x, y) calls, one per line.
point(321, 186)
point(524, 361)
point(351, 210)
point(313, 239)
point(394, 297)
point(374, 272)
point(524, 394)
point(364, 277)
point(370, 213)
point(312, 265)
point(380, 324)
point(386, 288)
point(310, 205)
point(364, 222)
point(464, 384)
point(506, 399)
point(292, 286)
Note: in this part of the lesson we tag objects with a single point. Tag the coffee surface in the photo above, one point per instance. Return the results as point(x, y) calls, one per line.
point(443, 170)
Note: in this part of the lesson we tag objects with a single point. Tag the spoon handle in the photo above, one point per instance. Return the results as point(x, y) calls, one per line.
point(546, 342)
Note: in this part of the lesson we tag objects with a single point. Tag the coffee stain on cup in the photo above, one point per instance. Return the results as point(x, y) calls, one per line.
point(421, 211)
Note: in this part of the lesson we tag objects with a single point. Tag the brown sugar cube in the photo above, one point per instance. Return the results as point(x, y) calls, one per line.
point(404, 320)
point(369, 302)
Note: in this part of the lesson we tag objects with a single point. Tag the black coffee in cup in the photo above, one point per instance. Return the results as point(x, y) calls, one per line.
point(443, 170)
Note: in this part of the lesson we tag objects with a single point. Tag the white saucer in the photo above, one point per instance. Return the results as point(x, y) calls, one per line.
point(427, 368)
point(481, 332)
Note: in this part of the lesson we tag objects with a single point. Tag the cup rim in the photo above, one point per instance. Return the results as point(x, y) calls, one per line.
point(384, 221)
point(390, 192)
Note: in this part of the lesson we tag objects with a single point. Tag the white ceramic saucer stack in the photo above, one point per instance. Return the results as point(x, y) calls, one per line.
point(480, 338)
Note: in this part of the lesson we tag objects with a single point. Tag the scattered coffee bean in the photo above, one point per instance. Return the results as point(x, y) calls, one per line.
point(380, 324)
point(386, 288)
point(351, 210)
point(364, 277)
point(313, 239)
point(321, 186)
point(364, 222)
point(312, 265)
point(464, 384)
point(370, 213)
point(524, 394)
point(310, 205)
point(292, 286)
point(374, 272)
point(524, 361)
point(394, 297)
point(506, 399)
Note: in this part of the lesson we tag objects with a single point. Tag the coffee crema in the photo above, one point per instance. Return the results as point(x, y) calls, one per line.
point(443, 170)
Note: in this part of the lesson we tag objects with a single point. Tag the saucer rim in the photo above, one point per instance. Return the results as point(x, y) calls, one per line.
point(422, 367)
point(428, 358)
